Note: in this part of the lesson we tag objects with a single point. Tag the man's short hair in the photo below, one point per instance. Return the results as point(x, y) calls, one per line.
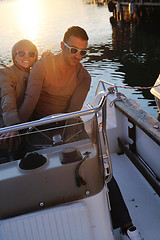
point(77, 32)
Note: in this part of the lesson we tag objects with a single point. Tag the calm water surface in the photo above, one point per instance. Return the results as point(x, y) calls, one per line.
point(122, 53)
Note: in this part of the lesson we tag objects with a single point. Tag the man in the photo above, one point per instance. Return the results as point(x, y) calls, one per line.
point(58, 83)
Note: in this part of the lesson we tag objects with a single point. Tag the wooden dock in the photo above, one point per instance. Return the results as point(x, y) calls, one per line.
point(147, 3)
point(140, 11)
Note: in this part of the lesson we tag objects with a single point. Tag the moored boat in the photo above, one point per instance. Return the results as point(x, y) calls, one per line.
point(57, 187)
point(155, 90)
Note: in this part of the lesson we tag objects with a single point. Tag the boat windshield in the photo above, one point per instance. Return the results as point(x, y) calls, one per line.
point(66, 132)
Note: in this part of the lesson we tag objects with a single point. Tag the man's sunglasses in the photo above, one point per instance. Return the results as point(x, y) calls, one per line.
point(22, 53)
point(74, 50)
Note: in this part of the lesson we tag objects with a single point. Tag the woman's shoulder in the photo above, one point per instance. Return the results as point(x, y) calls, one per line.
point(6, 72)
point(10, 73)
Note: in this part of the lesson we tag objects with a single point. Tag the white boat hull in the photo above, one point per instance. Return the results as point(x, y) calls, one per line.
point(48, 203)
point(87, 219)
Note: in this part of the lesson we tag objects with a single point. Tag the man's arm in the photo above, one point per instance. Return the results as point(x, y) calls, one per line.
point(81, 91)
point(33, 91)
point(76, 103)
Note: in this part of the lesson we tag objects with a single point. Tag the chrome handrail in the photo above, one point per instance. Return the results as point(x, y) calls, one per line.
point(106, 144)
point(54, 118)
point(104, 132)
point(103, 82)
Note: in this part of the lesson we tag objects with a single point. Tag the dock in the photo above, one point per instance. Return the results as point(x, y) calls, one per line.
point(137, 10)
point(148, 3)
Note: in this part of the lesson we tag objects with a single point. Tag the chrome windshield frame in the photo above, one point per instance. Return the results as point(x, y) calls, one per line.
point(54, 118)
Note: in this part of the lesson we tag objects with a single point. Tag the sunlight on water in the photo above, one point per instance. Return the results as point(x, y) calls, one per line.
point(29, 26)
point(45, 21)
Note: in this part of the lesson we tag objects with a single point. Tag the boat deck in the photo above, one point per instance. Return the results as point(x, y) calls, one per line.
point(142, 201)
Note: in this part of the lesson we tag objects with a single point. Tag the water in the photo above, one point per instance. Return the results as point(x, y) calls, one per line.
point(124, 54)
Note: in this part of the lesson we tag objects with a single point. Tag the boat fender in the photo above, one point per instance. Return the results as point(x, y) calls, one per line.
point(32, 161)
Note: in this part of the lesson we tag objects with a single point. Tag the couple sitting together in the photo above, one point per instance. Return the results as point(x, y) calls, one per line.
point(56, 84)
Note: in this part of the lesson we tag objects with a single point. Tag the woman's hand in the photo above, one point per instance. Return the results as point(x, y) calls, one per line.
point(46, 54)
point(10, 141)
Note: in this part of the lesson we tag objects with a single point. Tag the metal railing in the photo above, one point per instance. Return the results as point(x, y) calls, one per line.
point(103, 82)
point(54, 118)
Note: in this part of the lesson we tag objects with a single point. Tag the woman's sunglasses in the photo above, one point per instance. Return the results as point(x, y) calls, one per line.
point(74, 50)
point(22, 53)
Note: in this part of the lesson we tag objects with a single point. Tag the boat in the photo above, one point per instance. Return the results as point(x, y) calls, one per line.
point(155, 90)
point(58, 189)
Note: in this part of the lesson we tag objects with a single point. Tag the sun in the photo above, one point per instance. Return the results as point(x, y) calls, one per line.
point(30, 14)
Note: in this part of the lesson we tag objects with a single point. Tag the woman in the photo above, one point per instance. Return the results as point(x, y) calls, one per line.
point(13, 80)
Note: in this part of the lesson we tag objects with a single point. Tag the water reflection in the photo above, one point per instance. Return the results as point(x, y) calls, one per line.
point(133, 58)
point(138, 49)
